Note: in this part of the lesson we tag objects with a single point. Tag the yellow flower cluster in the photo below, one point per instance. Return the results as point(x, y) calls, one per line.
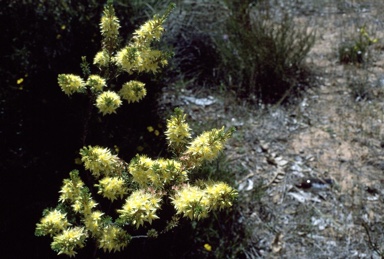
point(74, 191)
point(66, 239)
point(75, 84)
point(99, 160)
point(138, 55)
point(71, 83)
point(149, 31)
point(96, 83)
point(102, 59)
point(195, 203)
point(364, 33)
point(84, 203)
point(113, 238)
point(207, 146)
point(190, 202)
point(219, 195)
point(112, 188)
point(138, 59)
point(140, 207)
point(108, 102)
point(69, 240)
point(109, 27)
point(71, 188)
point(178, 131)
point(55, 223)
point(109, 24)
point(133, 91)
point(156, 173)
point(52, 223)
point(151, 61)
point(126, 58)
point(93, 222)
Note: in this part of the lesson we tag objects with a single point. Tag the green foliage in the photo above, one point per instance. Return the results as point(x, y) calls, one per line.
point(262, 53)
point(356, 50)
point(222, 235)
point(359, 85)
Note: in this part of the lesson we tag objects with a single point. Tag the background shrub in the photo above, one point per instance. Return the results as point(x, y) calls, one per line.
point(262, 51)
point(190, 33)
point(254, 48)
point(356, 50)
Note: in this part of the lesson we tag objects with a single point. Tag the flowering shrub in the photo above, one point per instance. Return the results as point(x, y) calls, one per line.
point(144, 186)
point(357, 50)
point(137, 57)
point(262, 51)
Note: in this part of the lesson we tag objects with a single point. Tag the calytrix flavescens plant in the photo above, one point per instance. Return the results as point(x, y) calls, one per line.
point(144, 184)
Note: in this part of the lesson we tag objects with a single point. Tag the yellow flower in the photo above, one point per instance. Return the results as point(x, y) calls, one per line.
point(71, 83)
point(109, 26)
point(148, 60)
point(96, 83)
point(108, 102)
point(133, 91)
point(99, 160)
point(52, 223)
point(171, 171)
point(69, 240)
point(112, 188)
point(116, 148)
point(207, 146)
point(93, 222)
point(156, 173)
point(113, 238)
point(140, 207)
point(190, 201)
point(137, 58)
point(126, 58)
point(201, 147)
point(208, 247)
point(84, 204)
point(150, 128)
point(101, 59)
point(20, 80)
point(74, 191)
point(149, 31)
point(220, 195)
point(195, 203)
point(140, 168)
point(178, 130)
point(71, 188)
